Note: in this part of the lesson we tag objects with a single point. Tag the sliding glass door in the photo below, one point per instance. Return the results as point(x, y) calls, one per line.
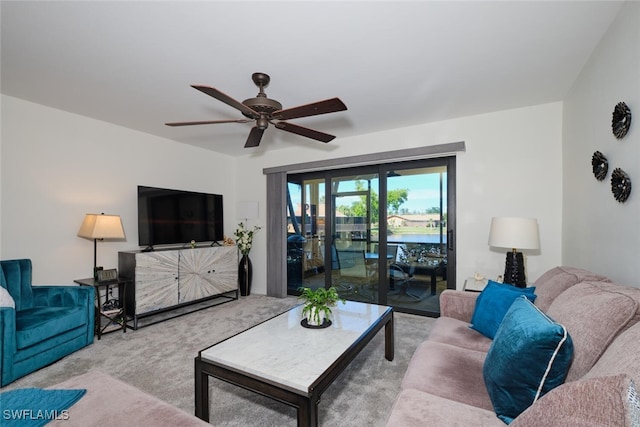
point(354, 234)
point(382, 240)
point(305, 233)
point(416, 237)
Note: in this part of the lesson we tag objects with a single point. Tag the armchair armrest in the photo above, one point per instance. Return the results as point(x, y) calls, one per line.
point(7, 342)
point(458, 304)
point(68, 296)
point(63, 296)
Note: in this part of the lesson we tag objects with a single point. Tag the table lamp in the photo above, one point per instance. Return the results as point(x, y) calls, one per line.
point(99, 227)
point(514, 233)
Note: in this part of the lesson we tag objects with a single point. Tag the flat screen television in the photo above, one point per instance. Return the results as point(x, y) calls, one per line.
point(167, 217)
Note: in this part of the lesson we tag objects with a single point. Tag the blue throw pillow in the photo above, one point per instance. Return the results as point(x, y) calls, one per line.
point(529, 356)
point(492, 304)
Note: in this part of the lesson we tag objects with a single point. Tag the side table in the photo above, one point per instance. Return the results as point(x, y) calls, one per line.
point(110, 310)
point(474, 285)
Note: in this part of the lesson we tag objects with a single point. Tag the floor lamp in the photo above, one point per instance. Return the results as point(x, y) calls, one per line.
point(514, 233)
point(99, 227)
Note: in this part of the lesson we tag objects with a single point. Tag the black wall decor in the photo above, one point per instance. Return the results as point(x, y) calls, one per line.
point(621, 120)
point(600, 165)
point(620, 181)
point(620, 185)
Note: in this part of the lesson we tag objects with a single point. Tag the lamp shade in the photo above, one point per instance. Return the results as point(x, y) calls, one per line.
point(515, 233)
point(101, 226)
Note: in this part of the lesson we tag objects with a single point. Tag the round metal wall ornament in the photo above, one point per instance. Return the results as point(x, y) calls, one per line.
point(600, 165)
point(620, 185)
point(621, 120)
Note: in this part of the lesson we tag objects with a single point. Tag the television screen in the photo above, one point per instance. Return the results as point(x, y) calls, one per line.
point(177, 217)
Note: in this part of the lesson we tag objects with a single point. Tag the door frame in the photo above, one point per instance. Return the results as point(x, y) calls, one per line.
point(276, 188)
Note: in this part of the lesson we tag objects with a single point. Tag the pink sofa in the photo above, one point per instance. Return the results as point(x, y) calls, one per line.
point(444, 384)
point(111, 402)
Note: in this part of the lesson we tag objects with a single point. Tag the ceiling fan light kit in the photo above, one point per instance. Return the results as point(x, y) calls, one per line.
point(267, 111)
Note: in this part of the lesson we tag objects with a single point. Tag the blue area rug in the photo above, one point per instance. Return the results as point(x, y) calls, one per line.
point(27, 407)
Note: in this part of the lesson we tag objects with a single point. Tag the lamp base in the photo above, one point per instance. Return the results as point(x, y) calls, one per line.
point(95, 272)
point(514, 270)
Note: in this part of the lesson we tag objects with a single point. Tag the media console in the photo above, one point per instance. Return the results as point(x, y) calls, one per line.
point(164, 280)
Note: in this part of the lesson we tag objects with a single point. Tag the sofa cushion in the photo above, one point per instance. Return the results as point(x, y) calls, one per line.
point(455, 332)
point(593, 316)
point(37, 324)
point(557, 280)
point(621, 357)
point(630, 291)
point(604, 401)
point(450, 372)
point(417, 408)
point(493, 303)
point(529, 357)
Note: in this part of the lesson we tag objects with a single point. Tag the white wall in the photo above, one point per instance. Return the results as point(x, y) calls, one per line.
point(599, 233)
point(58, 166)
point(512, 167)
point(1, 138)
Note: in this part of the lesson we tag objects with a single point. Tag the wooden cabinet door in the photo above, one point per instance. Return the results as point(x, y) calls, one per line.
point(207, 271)
point(156, 280)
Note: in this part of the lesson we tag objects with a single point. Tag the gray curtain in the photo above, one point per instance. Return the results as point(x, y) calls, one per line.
point(276, 234)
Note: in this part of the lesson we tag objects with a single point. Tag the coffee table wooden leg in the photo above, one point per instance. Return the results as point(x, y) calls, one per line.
point(201, 392)
point(389, 346)
point(308, 413)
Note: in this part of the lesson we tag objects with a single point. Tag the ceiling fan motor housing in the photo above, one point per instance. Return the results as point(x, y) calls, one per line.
point(263, 105)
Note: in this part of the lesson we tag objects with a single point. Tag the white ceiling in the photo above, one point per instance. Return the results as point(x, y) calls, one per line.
point(392, 63)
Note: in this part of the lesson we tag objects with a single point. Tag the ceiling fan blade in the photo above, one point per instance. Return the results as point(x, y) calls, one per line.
point(321, 107)
point(208, 122)
point(220, 96)
point(303, 131)
point(254, 137)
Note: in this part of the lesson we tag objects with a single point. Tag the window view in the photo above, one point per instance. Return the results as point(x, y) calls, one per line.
point(417, 237)
point(354, 243)
point(336, 237)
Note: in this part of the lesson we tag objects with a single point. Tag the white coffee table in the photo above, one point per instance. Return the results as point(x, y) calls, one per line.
point(289, 363)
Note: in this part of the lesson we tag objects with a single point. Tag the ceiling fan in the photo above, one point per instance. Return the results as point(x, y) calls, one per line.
point(265, 110)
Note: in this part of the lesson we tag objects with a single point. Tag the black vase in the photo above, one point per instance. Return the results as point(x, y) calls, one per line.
point(245, 272)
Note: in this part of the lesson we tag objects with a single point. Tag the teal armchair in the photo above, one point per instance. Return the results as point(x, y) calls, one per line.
point(46, 324)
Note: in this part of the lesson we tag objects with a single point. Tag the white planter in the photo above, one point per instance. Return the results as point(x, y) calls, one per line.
point(311, 317)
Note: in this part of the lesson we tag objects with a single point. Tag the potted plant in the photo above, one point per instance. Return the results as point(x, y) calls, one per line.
point(318, 303)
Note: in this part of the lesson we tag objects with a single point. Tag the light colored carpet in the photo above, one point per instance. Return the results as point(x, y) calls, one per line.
point(159, 359)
